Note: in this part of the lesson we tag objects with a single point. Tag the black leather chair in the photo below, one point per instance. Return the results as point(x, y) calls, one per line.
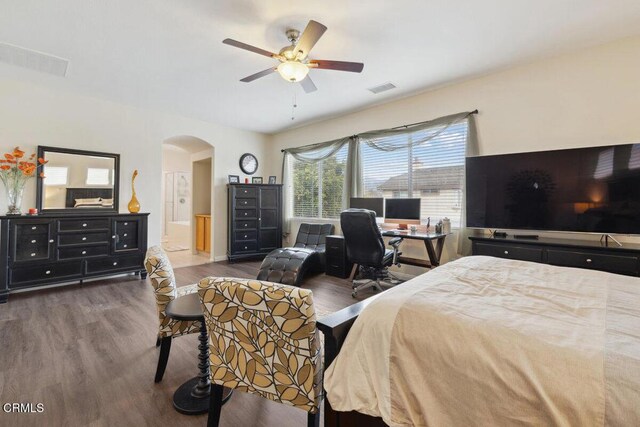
point(289, 265)
point(366, 248)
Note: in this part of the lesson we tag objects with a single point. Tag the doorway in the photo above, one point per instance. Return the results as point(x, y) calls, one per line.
point(187, 171)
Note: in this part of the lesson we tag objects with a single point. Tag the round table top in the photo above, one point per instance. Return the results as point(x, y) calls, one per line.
point(186, 307)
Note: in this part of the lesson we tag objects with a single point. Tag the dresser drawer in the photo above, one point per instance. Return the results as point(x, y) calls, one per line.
point(246, 203)
point(83, 224)
point(248, 246)
point(80, 238)
point(621, 264)
point(21, 229)
point(105, 265)
point(246, 213)
point(509, 252)
point(246, 235)
point(127, 244)
point(27, 275)
point(246, 225)
point(81, 252)
point(246, 192)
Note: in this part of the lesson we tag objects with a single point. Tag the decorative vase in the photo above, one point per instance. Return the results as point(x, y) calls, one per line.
point(134, 204)
point(14, 196)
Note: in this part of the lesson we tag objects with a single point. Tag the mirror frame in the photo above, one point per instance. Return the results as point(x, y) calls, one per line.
point(42, 149)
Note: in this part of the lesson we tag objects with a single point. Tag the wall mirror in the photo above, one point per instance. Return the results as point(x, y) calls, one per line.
point(77, 181)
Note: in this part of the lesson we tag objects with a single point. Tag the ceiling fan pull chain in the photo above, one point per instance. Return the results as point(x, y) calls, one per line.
point(293, 107)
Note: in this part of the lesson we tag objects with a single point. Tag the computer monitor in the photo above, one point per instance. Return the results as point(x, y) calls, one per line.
point(405, 209)
point(375, 204)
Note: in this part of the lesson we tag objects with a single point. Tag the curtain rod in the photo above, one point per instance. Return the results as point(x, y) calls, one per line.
point(405, 126)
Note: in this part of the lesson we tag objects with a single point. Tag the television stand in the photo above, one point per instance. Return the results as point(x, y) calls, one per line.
point(606, 238)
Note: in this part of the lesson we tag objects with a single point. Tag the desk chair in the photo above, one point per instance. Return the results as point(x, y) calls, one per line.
point(365, 247)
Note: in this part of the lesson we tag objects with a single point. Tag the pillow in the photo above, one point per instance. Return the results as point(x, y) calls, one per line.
point(85, 202)
point(106, 202)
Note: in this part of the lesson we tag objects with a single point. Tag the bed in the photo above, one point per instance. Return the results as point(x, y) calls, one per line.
point(89, 198)
point(488, 341)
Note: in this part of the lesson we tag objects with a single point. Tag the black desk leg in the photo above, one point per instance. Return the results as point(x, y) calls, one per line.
point(434, 253)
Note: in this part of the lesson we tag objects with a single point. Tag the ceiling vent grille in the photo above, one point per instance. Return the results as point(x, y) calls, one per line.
point(382, 88)
point(26, 58)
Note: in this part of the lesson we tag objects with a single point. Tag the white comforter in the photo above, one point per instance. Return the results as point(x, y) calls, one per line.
point(487, 341)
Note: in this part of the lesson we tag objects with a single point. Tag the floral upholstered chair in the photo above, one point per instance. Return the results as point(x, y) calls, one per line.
point(163, 282)
point(262, 340)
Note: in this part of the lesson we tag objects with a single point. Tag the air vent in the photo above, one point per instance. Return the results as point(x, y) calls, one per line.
point(382, 88)
point(26, 58)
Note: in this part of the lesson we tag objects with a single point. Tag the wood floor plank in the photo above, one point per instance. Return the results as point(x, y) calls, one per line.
point(87, 352)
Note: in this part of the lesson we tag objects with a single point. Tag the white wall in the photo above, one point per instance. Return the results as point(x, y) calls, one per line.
point(175, 159)
point(588, 98)
point(33, 115)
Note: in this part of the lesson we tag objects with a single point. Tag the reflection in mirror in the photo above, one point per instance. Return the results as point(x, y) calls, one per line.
point(76, 181)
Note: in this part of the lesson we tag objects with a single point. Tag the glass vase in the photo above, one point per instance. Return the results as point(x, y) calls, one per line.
point(14, 198)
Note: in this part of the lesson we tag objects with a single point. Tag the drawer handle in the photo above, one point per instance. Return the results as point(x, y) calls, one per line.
point(245, 247)
point(115, 263)
point(51, 241)
point(588, 260)
point(245, 191)
point(34, 227)
point(33, 254)
point(84, 224)
point(33, 241)
point(84, 238)
point(124, 246)
point(245, 225)
point(506, 252)
point(47, 272)
point(245, 236)
point(84, 252)
point(126, 223)
point(125, 234)
point(245, 214)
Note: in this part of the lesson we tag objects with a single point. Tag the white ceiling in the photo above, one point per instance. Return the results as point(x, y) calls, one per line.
point(167, 55)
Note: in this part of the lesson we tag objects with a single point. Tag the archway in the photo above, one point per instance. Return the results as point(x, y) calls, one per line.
point(187, 209)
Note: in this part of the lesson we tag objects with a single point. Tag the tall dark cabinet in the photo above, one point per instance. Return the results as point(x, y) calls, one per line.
point(254, 220)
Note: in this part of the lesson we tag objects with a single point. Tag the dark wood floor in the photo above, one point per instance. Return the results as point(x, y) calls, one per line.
point(87, 352)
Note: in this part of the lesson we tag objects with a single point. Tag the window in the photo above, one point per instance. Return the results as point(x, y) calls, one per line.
point(432, 171)
point(55, 175)
point(98, 176)
point(317, 187)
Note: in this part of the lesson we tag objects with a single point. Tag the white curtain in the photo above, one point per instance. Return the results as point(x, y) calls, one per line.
point(472, 149)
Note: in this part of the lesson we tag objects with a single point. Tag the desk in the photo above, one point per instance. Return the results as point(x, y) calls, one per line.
point(192, 397)
point(434, 253)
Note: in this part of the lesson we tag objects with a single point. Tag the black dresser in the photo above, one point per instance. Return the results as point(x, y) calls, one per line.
point(254, 220)
point(336, 258)
point(47, 249)
point(563, 252)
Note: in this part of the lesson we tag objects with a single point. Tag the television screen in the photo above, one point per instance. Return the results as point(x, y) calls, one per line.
point(595, 189)
point(375, 204)
point(402, 208)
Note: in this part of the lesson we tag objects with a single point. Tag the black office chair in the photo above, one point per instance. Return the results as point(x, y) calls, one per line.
point(366, 248)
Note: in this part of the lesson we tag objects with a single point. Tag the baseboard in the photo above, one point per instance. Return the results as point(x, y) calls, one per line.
point(220, 258)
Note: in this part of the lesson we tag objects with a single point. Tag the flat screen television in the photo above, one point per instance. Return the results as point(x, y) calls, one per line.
point(375, 204)
point(402, 209)
point(595, 189)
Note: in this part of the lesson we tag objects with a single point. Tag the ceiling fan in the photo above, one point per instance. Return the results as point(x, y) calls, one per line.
point(294, 59)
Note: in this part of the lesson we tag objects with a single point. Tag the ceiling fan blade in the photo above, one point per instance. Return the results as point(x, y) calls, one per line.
point(255, 76)
point(248, 47)
point(309, 38)
point(308, 85)
point(354, 67)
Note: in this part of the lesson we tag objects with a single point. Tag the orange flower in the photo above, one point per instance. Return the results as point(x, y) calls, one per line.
point(18, 153)
point(8, 156)
point(42, 161)
point(5, 167)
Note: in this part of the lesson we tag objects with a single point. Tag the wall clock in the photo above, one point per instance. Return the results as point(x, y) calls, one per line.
point(248, 163)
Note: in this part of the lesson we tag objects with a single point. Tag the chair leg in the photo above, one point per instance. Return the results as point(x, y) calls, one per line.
point(165, 347)
point(215, 405)
point(158, 340)
point(313, 420)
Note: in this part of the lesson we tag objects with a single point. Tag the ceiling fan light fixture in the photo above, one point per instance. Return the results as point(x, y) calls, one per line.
point(293, 71)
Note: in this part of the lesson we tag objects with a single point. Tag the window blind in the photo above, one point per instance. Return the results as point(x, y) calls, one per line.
point(318, 187)
point(432, 171)
point(98, 176)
